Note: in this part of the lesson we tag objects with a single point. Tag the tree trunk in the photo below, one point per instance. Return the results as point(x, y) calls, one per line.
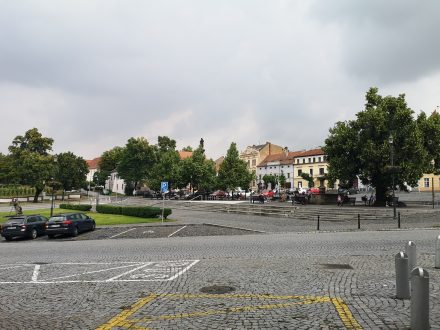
point(380, 196)
point(62, 198)
point(37, 193)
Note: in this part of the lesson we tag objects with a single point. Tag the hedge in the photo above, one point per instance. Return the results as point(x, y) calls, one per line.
point(79, 207)
point(134, 211)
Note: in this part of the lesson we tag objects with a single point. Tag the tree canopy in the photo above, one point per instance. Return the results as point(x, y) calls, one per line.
point(137, 161)
point(30, 162)
point(72, 171)
point(233, 171)
point(363, 147)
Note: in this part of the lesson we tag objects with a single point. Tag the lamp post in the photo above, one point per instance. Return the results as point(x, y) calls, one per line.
point(391, 141)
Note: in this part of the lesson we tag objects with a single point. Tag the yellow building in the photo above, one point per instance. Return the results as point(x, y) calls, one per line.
point(427, 181)
point(255, 154)
point(313, 162)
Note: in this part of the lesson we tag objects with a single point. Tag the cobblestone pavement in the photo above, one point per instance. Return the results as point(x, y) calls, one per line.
point(325, 280)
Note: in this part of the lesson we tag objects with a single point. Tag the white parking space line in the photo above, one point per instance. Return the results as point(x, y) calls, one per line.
point(129, 272)
point(35, 273)
point(91, 272)
point(122, 233)
point(183, 270)
point(177, 231)
point(75, 272)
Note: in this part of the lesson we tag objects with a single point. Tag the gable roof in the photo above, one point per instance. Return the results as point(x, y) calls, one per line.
point(312, 152)
point(283, 157)
point(93, 164)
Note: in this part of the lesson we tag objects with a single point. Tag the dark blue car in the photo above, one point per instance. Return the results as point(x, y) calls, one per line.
point(29, 226)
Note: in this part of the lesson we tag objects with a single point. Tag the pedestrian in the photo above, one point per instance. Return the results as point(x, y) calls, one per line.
point(339, 200)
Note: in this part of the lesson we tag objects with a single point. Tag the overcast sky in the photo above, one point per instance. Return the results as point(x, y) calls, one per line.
point(91, 74)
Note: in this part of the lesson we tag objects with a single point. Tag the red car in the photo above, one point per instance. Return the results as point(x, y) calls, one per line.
point(314, 190)
point(267, 193)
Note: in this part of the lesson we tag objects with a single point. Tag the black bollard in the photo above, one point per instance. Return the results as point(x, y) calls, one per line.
point(318, 223)
point(359, 221)
point(398, 220)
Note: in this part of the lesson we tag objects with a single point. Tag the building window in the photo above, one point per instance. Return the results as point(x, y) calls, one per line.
point(254, 162)
point(304, 160)
point(311, 171)
point(313, 159)
point(426, 182)
point(321, 171)
point(270, 167)
point(319, 159)
point(300, 184)
point(288, 175)
point(260, 176)
point(297, 161)
point(310, 160)
point(299, 172)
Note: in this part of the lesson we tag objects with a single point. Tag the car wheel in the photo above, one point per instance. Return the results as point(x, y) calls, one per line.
point(8, 238)
point(34, 234)
point(75, 231)
point(51, 236)
point(93, 226)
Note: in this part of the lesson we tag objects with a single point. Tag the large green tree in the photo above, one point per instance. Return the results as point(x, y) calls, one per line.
point(167, 166)
point(198, 171)
point(31, 163)
point(363, 147)
point(5, 169)
point(72, 171)
point(233, 171)
point(108, 163)
point(430, 127)
point(137, 161)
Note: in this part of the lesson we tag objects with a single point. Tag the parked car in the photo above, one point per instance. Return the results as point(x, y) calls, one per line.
point(24, 226)
point(268, 193)
point(219, 194)
point(69, 223)
point(314, 191)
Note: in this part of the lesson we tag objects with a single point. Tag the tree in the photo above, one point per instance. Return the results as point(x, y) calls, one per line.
point(72, 171)
point(5, 169)
point(362, 147)
point(430, 127)
point(31, 163)
point(233, 171)
point(270, 178)
point(282, 180)
point(167, 166)
point(198, 171)
point(108, 163)
point(137, 160)
point(188, 148)
point(308, 178)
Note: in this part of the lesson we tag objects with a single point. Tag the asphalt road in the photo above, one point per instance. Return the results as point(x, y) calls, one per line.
point(284, 280)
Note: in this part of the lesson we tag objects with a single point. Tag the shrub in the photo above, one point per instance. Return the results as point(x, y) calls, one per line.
point(78, 207)
point(134, 211)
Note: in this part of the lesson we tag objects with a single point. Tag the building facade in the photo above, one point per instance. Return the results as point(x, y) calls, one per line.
point(277, 165)
point(255, 154)
point(93, 166)
point(312, 162)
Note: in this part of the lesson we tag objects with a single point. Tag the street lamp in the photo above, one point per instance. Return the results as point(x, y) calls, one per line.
point(391, 142)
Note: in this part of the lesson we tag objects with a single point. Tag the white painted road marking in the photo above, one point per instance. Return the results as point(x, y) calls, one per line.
point(122, 233)
point(94, 273)
point(35, 273)
point(177, 231)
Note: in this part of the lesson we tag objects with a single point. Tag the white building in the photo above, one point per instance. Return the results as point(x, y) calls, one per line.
point(114, 183)
point(93, 165)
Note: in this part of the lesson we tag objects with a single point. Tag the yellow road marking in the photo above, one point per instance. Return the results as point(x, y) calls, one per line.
point(345, 314)
point(121, 320)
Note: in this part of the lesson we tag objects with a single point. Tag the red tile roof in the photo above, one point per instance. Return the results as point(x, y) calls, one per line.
point(93, 164)
point(312, 152)
point(282, 157)
point(185, 154)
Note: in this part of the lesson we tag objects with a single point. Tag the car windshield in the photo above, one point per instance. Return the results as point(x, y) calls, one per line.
point(15, 220)
point(56, 219)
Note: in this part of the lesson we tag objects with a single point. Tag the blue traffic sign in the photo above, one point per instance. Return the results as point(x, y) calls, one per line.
point(163, 186)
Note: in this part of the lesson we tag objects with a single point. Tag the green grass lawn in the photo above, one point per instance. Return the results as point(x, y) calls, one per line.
point(100, 219)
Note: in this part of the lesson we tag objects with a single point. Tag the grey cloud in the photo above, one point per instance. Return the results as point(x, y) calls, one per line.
point(385, 42)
